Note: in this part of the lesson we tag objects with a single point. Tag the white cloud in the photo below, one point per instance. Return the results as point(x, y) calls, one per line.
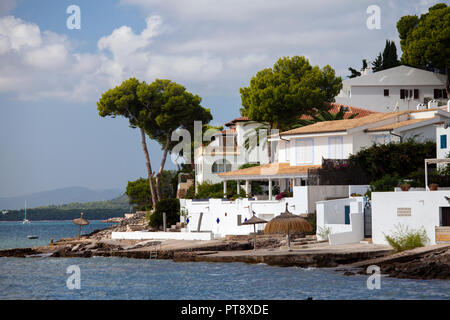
point(17, 34)
point(211, 47)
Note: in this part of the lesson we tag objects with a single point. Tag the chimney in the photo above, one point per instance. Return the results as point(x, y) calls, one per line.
point(432, 104)
point(421, 106)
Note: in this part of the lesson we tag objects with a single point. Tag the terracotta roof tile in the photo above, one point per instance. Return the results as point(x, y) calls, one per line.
point(342, 125)
point(271, 169)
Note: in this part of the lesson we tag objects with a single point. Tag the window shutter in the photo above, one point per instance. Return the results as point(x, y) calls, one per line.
point(416, 94)
point(444, 141)
point(402, 93)
point(436, 93)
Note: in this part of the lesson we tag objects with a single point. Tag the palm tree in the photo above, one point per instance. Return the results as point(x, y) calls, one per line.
point(323, 116)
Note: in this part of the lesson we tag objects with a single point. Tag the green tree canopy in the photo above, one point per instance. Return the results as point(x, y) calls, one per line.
point(158, 109)
point(425, 41)
point(172, 108)
point(123, 100)
point(280, 95)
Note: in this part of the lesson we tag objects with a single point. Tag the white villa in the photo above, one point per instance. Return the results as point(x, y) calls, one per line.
point(339, 207)
point(227, 153)
point(397, 89)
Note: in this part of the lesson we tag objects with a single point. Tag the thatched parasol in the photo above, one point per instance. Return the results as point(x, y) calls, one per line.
point(254, 220)
point(287, 223)
point(80, 222)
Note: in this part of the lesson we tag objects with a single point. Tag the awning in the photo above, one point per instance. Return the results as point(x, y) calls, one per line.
point(268, 171)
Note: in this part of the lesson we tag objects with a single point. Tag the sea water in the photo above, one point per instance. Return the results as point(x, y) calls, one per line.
point(122, 278)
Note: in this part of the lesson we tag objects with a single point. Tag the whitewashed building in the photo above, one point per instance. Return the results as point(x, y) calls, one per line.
point(397, 89)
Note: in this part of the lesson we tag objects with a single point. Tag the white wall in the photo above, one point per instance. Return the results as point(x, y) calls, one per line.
point(331, 214)
point(140, 235)
point(321, 149)
point(442, 153)
point(303, 201)
point(424, 206)
point(372, 97)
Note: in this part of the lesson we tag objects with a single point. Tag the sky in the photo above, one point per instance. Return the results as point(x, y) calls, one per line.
point(51, 76)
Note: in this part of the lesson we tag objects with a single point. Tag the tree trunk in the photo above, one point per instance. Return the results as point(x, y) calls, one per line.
point(161, 167)
point(269, 143)
point(149, 168)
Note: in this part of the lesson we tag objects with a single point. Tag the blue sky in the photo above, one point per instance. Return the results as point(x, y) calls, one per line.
point(51, 77)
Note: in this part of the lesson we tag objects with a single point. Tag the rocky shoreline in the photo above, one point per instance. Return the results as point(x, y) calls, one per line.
point(421, 263)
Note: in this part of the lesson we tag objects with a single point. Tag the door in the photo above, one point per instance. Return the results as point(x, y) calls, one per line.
point(367, 221)
point(347, 214)
point(445, 217)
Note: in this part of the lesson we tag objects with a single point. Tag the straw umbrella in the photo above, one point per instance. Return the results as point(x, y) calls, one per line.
point(254, 221)
point(287, 223)
point(80, 222)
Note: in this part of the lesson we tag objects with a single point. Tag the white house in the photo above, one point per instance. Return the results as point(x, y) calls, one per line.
point(413, 210)
point(403, 87)
point(226, 152)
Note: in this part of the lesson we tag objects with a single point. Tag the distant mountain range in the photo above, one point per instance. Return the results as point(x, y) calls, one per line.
point(58, 196)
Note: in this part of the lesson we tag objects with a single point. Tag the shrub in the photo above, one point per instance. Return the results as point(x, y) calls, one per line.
point(323, 233)
point(172, 209)
point(405, 239)
point(215, 190)
point(386, 183)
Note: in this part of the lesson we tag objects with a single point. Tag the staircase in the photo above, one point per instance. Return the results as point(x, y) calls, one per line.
point(154, 250)
point(176, 227)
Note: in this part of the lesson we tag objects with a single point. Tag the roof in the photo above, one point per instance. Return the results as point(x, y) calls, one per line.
point(228, 131)
point(396, 125)
point(271, 169)
point(401, 75)
point(341, 125)
point(232, 122)
point(336, 107)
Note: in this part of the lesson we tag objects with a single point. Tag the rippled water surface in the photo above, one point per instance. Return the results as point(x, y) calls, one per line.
point(120, 278)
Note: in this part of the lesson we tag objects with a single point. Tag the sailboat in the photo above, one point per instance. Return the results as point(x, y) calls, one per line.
point(25, 220)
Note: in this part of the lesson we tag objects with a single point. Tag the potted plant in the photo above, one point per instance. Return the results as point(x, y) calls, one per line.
point(405, 186)
point(434, 186)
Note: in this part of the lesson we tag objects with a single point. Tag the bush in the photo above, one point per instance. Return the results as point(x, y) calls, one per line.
point(386, 183)
point(215, 190)
point(396, 159)
point(172, 209)
point(404, 239)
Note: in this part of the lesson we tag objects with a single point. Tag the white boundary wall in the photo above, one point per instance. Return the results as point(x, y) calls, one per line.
point(331, 214)
point(425, 212)
point(139, 235)
point(303, 201)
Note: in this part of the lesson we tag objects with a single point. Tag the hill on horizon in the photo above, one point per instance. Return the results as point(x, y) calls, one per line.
point(58, 197)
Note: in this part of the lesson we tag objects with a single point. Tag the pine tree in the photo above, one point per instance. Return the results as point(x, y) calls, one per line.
point(377, 64)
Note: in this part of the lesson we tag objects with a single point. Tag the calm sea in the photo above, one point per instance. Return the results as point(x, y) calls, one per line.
point(120, 278)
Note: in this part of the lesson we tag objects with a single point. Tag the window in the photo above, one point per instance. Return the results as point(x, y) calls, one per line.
point(335, 148)
point(416, 94)
point(220, 166)
point(406, 93)
point(386, 92)
point(440, 94)
point(287, 150)
point(443, 141)
point(305, 151)
point(382, 139)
